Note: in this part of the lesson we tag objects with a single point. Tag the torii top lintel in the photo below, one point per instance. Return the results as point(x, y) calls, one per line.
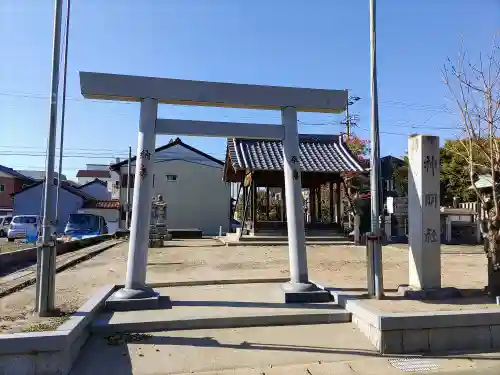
point(213, 94)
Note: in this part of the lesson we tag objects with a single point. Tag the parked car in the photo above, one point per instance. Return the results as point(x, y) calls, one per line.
point(79, 225)
point(4, 225)
point(23, 226)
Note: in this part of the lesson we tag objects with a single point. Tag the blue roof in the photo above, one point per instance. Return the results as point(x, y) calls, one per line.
point(14, 173)
point(64, 185)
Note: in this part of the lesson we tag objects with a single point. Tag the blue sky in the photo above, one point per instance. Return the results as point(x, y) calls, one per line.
point(319, 44)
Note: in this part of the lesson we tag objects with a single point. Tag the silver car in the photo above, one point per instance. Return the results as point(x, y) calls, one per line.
point(4, 225)
point(23, 226)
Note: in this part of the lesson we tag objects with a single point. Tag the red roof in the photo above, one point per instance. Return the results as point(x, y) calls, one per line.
point(113, 204)
point(93, 173)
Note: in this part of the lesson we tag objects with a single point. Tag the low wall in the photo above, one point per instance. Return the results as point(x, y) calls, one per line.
point(432, 332)
point(20, 257)
point(52, 352)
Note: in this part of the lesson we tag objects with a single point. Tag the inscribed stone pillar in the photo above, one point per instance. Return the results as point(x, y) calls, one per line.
point(424, 212)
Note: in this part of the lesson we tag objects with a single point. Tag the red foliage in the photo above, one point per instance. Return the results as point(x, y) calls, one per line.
point(358, 146)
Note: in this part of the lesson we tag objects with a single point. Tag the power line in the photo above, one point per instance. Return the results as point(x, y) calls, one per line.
point(70, 149)
point(415, 126)
point(386, 103)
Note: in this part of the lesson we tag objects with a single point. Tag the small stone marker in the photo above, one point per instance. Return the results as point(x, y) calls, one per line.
point(424, 212)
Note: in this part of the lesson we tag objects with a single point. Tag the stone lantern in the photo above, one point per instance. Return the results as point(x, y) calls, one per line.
point(158, 232)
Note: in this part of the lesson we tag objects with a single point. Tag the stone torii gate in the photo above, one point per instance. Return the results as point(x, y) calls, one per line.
point(151, 91)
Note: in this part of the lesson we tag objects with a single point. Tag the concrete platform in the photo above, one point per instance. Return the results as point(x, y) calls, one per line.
point(424, 332)
point(293, 350)
point(219, 306)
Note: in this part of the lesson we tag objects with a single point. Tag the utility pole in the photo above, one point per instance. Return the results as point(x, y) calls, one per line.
point(129, 172)
point(375, 163)
point(350, 121)
point(63, 110)
point(347, 121)
point(46, 259)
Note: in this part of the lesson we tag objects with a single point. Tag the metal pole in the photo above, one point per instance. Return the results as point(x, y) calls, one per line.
point(46, 298)
point(63, 110)
point(375, 159)
point(129, 173)
point(347, 120)
point(299, 279)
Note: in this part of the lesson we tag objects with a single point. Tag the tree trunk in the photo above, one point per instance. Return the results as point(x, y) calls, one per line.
point(492, 249)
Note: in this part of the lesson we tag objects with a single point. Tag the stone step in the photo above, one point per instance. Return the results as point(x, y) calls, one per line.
point(262, 238)
point(103, 326)
point(220, 306)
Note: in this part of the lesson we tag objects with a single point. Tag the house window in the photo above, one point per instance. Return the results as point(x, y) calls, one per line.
point(171, 177)
point(2, 188)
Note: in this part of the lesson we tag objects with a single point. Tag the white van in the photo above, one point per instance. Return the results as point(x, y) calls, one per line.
point(23, 225)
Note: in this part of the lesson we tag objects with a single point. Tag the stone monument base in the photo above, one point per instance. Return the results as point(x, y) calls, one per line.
point(133, 299)
point(305, 293)
point(409, 292)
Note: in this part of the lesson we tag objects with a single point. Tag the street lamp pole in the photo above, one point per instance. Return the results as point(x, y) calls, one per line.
point(46, 259)
point(63, 110)
point(375, 162)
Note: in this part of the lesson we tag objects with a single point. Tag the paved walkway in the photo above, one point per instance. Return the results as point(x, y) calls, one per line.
point(306, 350)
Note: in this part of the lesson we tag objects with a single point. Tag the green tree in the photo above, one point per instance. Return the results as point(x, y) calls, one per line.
point(455, 181)
point(453, 177)
point(400, 176)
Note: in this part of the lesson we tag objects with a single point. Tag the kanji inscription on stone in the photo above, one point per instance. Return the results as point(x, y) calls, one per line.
point(143, 172)
point(294, 160)
point(430, 164)
point(430, 200)
point(295, 175)
point(430, 235)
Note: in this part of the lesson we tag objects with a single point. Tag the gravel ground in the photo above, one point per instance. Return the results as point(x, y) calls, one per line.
point(333, 266)
point(6, 246)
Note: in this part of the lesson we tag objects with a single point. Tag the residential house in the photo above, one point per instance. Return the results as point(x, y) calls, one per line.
point(29, 201)
point(103, 173)
point(96, 188)
point(190, 182)
point(39, 175)
point(11, 182)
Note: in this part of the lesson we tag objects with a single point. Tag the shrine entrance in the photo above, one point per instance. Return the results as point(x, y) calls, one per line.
point(152, 91)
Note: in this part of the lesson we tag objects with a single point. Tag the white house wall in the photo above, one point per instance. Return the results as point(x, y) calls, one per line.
point(199, 198)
